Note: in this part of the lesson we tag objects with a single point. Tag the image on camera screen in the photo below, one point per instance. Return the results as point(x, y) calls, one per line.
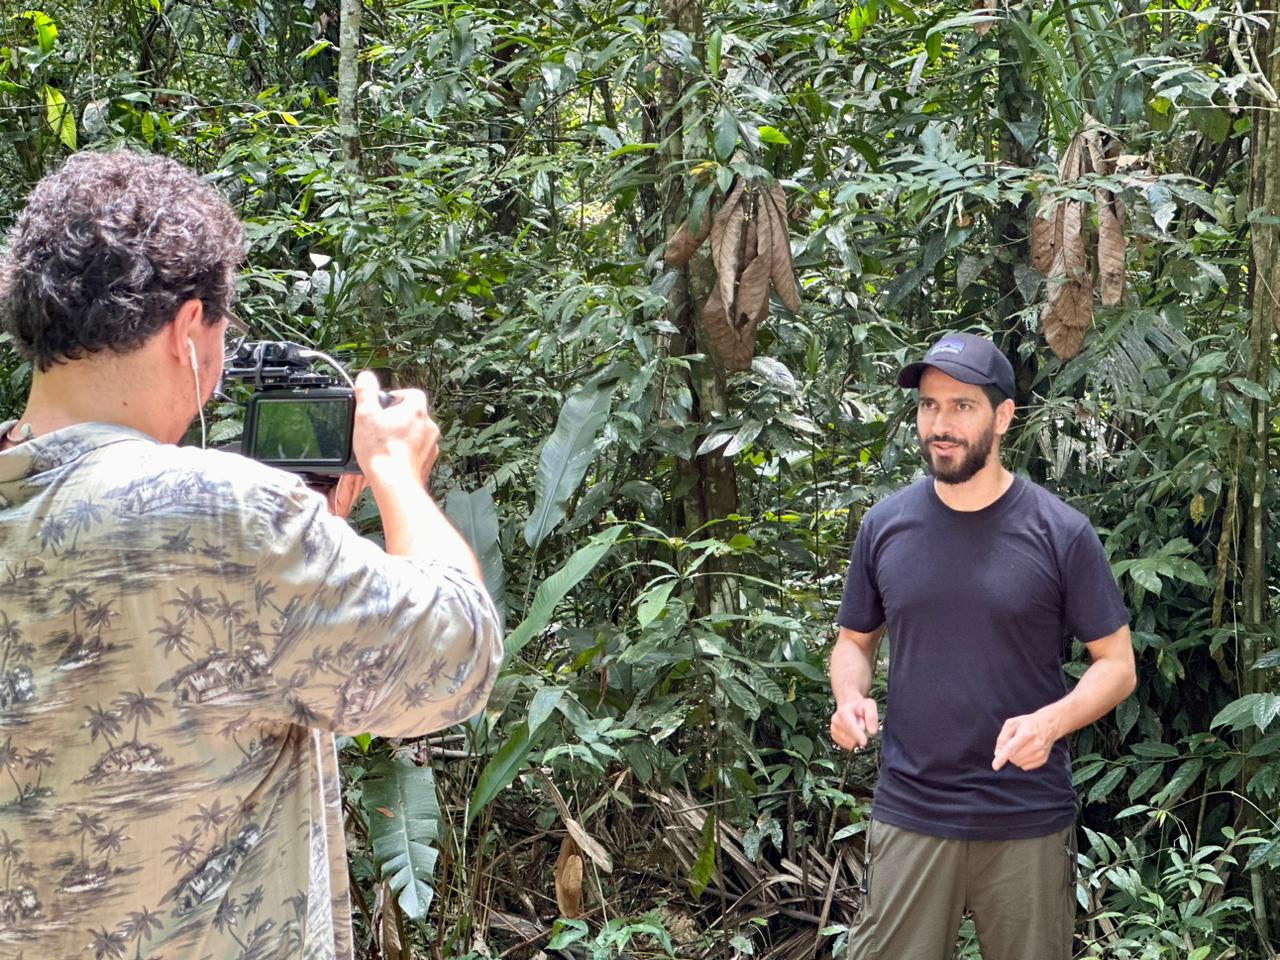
point(313, 429)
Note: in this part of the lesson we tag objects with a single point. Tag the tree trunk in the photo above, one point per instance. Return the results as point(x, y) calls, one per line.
point(1265, 322)
point(707, 486)
point(349, 82)
point(1014, 104)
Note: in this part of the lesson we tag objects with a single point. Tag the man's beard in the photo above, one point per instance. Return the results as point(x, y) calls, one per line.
point(974, 457)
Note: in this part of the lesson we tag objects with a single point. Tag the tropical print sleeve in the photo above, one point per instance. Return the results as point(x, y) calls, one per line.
point(366, 642)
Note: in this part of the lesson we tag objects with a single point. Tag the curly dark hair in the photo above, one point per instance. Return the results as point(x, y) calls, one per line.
point(106, 250)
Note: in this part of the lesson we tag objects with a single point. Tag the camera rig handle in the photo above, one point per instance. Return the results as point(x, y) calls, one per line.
point(264, 364)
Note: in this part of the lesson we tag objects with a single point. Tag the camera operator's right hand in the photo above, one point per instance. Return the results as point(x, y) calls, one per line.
point(396, 441)
point(855, 722)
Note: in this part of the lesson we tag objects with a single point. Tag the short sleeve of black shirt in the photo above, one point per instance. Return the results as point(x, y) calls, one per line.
point(1093, 605)
point(862, 610)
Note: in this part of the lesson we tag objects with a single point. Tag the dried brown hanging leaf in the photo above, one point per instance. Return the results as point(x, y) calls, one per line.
point(1046, 224)
point(782, 272)
point(734, 350)
point(1069, 254)
point(386, 931)
point(726, 236)
point(1092, 136)
point(753, 289)
point(1069, 312)
point(983, 6)
point(684, 244)
point(746, 254)
point(1067, 316)
point(569, 879)
point(1071, 166)
point(1042, 238)
point(1111, 250)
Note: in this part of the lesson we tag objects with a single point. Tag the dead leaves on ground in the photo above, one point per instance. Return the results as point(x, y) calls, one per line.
point(1058, 247)
point(751, 251)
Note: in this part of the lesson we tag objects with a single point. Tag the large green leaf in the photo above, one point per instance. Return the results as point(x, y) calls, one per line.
point(501, 770)
point(476, 517)
point(46, 30)
point(565, 458)
point(62, 120)
point(399, 800)
point(1254, 709)
point(555, 587)
point(704, 867)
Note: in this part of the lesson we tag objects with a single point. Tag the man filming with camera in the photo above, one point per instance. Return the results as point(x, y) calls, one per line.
point(183, 631)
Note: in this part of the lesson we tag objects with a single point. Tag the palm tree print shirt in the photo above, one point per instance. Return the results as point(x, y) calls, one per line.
point(182, 632)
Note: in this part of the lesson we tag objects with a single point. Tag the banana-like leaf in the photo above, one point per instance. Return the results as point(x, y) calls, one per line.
point(510, 758)
point(399, 800)
point(553, 589)
point(476, 517)
point(501, 770)
point(565, 458)
point(704, 868)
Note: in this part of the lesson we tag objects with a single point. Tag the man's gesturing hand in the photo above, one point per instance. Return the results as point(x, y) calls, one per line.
point(1025, 742)
point(855, 722)
point(397, 440)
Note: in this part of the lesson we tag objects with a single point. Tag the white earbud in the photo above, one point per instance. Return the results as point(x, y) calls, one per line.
point(191, 346)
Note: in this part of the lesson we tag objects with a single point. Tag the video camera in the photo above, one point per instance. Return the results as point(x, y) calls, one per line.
point(297, 418)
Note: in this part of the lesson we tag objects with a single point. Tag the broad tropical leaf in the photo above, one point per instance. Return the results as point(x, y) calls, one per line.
point(476, 517)
point(1254, 709)
point(501, 770)
point(565, 458)
point(556, 586)
point(399, 800)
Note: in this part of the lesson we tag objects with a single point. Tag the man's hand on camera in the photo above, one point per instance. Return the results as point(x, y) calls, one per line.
point(399, 440)
point(396, 447)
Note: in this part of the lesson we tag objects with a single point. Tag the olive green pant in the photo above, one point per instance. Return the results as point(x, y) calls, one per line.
point(916, 889)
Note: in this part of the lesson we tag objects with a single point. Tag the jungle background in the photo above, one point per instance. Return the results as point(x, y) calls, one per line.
point(662, 452)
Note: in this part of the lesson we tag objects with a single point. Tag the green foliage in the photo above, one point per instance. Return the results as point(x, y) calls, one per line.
point(499, 244)
point(565, 458)
point(476, 517)
point(399, 802)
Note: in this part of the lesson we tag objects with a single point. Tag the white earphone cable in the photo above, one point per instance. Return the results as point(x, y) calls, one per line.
point(195, 372)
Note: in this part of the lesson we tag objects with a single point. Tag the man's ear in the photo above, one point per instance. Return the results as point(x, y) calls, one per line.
point(186, 322)
point(1004, 416)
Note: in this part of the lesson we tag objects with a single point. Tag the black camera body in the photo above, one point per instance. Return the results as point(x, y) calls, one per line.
point(297, 419)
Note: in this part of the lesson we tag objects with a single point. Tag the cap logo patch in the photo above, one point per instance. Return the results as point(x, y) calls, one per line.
point(947, 346)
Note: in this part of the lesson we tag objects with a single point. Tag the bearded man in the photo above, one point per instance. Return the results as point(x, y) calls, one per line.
point(979, 578)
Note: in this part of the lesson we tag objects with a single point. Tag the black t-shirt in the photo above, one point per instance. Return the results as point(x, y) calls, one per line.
point(979, 606)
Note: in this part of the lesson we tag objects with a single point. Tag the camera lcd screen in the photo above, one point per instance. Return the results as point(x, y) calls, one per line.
point(317, 429)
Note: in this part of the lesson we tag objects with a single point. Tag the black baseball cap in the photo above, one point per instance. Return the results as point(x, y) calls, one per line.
point(967, 357)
